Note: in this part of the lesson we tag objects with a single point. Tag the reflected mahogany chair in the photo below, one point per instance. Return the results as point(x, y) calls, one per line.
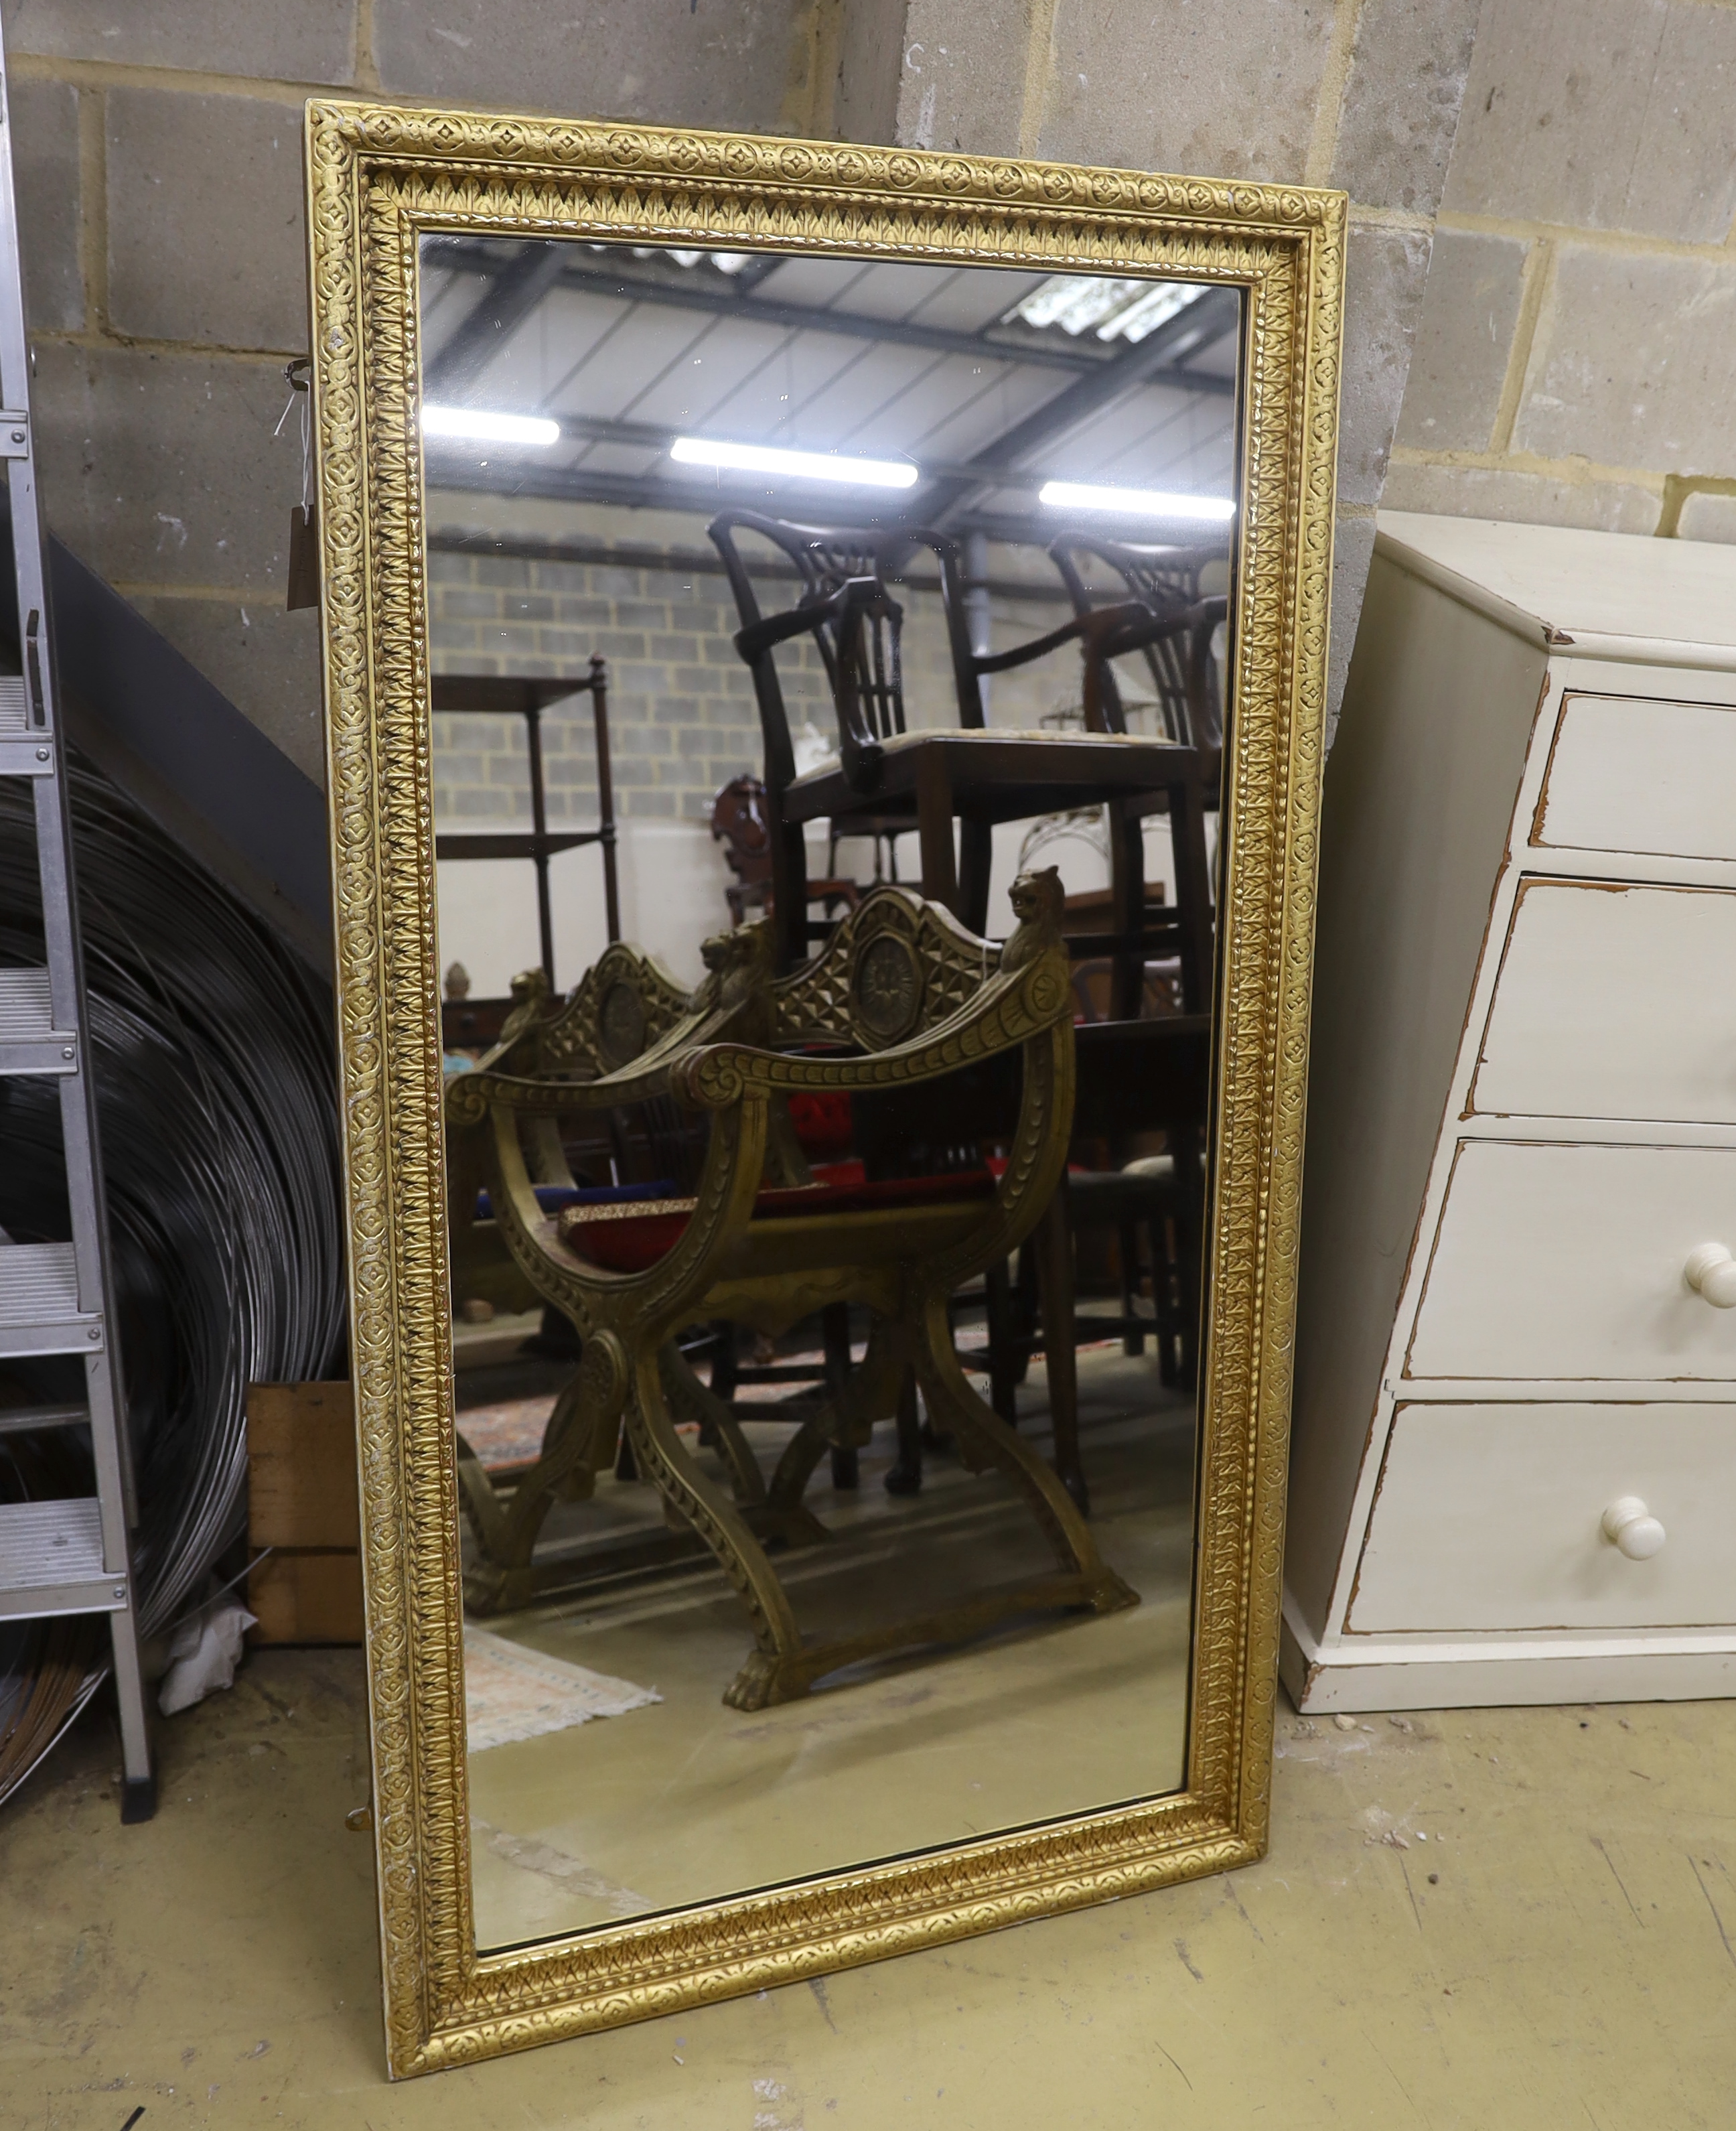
point(1182, 663)
point(1160, 1197)
point(890, 775)
point(738, 823)
point(901, 996)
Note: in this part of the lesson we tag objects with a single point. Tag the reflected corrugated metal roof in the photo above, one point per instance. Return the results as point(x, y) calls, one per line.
point(632, 345)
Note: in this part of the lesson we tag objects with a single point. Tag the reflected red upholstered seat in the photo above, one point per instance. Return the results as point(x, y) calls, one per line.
point(616, 1240)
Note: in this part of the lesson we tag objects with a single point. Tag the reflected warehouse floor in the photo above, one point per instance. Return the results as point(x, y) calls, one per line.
point(684, 1800)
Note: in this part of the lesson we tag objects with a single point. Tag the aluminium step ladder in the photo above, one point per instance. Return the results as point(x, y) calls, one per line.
point(58, 1298)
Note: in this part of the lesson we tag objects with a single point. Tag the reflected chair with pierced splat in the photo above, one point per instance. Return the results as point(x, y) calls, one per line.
point(890, 776)
point(1182, 663)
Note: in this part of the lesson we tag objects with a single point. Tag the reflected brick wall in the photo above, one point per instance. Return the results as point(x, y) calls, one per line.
point(681, 714)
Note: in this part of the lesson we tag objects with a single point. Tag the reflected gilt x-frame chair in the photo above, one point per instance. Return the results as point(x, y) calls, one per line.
point(626, 1006)
point(901, 995)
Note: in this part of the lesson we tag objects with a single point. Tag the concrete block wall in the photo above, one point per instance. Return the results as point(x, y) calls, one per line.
point(1363, 94)
point(1572, 231)
point(158, 145)
point(681, 703)
point(1577, 342)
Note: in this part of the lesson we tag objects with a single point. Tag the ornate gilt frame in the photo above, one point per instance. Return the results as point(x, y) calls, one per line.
point(377, 178)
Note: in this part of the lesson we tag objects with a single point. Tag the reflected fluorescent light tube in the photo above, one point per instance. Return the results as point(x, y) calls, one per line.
point(1134, 502)
point(801, 466)
point(479, 425)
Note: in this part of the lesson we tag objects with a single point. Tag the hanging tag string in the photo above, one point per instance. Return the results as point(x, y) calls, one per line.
point(302, 589)
point(297, 373)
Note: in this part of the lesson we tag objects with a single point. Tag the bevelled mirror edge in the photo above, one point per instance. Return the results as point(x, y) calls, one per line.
point(377, 179)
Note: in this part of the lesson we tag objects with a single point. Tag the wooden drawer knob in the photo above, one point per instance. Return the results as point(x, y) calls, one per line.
point(1711, 1272)
point(1631, 1526)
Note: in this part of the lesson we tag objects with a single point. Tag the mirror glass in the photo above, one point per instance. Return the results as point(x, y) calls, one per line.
point(632, 456)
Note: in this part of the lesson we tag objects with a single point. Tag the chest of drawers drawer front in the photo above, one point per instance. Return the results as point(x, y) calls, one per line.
point(1568, 1262)
point(1614, 1002)
point(1629, 775)
point(1492, 1517)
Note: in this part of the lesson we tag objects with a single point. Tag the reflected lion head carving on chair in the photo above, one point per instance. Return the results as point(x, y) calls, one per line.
point(1038, 899)
point(737, 969)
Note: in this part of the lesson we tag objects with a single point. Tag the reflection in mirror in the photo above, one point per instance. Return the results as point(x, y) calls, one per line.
point(803, 628)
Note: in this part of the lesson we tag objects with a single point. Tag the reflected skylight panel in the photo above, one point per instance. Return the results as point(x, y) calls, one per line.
point(1111, 307)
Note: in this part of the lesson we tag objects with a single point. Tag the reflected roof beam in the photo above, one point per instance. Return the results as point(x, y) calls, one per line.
point(644, 492)
point(693, 294)
point(452, 461)
point(658, 437)
point(449, 456)
point(506, 302)
point(1200, 326)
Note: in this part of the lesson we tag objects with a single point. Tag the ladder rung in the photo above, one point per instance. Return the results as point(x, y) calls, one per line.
point(14, 710)
point(51, 1560)
point(27, 757)
point(29, 1040)
point(22, 1420)
point(39, 1302)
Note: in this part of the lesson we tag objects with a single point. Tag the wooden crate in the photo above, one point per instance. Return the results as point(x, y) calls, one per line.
point(303, 1504)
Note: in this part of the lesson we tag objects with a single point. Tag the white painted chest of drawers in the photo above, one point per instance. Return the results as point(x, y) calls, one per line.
point(1513, 1466)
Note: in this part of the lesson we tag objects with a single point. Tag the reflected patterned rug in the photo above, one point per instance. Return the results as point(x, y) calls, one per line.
point(511, 1693)
point(509, 1434)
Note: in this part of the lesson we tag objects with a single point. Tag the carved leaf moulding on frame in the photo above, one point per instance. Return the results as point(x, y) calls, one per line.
point(377, 179)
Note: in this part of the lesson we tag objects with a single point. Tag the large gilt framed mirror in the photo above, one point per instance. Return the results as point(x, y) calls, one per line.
point(825, 654)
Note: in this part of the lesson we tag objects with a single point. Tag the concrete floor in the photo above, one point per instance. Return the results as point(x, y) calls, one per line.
point(1559, 1951)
